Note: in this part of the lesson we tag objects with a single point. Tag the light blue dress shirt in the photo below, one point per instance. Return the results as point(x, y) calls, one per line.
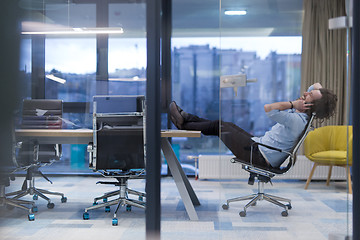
point(283, 135)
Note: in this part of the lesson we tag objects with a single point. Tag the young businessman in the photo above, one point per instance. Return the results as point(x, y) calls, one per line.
point(290, 117)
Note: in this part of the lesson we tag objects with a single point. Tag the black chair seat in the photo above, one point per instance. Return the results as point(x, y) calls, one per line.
point(275, 170)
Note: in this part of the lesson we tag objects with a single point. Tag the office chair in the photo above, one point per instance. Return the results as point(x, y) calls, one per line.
point(38, 114)
point(117, 150)
point(6, 170)
point(330, 146)
point(265, 175)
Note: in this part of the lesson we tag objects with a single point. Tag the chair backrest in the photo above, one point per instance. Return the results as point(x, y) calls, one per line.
point(40, 114)
point(333, 138)
point(118, 140)
point(292, 156)
point(267, 174)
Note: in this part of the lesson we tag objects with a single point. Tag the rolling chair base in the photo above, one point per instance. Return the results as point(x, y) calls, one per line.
point(37, 192)
point(122, 200)
point(254, 198)
point(11, 203)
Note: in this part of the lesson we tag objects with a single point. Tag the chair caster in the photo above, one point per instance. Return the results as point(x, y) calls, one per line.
point(86, 216)
point(289, 206)
point(35, 197)
point(95, 203)
point(242, 214)
point(284, 213)
point(34, 209)
point(104, 200)
point(31, 217)
point(141, 198)
point(225, 206)
point(50, 205)
point(64, 199)
point(114, 221)
point(107, 209)
point(128, 208)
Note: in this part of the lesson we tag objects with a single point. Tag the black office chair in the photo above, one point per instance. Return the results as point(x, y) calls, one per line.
point(6, 170)
point(117, 150)
point(38, 114)
point(265, 175)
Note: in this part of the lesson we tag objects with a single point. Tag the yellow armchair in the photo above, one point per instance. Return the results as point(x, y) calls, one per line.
point(330, 146)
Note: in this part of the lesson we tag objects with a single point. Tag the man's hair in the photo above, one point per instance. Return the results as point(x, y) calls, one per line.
point(325, 106)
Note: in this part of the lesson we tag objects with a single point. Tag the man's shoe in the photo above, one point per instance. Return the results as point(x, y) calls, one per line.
point(175, 115)
point(182, 112)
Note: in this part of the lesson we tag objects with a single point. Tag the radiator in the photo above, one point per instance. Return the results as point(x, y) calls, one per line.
point(220, 167)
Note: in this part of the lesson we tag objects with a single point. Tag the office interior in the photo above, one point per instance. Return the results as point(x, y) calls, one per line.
point(178, 51)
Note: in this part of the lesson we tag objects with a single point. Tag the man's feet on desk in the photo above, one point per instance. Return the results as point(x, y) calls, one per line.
point(175, 115)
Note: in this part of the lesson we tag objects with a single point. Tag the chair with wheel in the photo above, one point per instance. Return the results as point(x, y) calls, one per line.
point(30, 156)
point(6, 174)
point(118, 150)
point(265, 175)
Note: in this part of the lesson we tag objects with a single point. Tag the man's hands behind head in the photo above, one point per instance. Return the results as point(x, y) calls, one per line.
point(301, 105)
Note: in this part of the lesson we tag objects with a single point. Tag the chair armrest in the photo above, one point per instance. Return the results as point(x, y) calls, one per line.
point(90, 150)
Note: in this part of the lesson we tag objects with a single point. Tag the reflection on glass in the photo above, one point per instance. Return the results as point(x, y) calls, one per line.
point(25, 68)
point(127, 66)
point(73, 60)
point(274, 61)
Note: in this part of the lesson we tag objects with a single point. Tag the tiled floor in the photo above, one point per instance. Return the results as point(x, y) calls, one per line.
point(318, 213)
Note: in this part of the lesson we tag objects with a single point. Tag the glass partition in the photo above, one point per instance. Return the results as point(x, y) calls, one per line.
point(195, 72)
point(258, 69)
point(73, 51)
point(73, 62)
point(347, 230)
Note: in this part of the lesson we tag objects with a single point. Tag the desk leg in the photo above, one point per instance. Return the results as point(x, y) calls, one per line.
point(182, 182)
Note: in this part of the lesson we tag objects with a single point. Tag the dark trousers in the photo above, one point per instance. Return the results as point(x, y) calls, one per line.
point(235, 138)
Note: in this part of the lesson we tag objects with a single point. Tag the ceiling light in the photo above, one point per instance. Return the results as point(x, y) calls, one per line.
point(235, 12)
point(77, 31)
point(36, 28)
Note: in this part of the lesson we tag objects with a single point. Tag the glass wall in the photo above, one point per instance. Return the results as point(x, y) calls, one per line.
point(267, 52)
point(67, 61)
point(266, 68)
point(195, 73)
point(264, 44)
point(197, 61)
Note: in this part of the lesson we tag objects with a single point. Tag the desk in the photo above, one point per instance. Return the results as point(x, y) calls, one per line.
point(84, 136)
